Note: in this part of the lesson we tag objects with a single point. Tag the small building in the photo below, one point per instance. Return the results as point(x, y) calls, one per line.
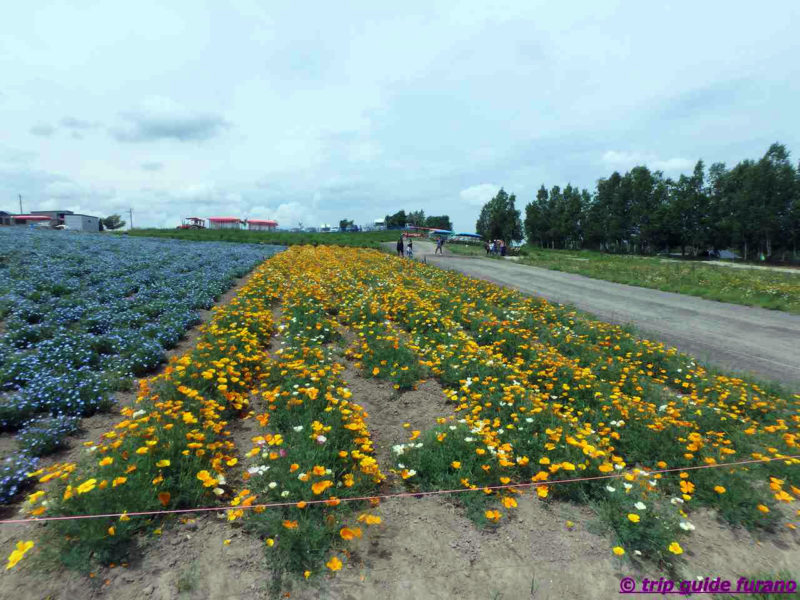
point(224, 223)
point(261, 225)
point(380, 224)
point(82, 222)
point(6, 218)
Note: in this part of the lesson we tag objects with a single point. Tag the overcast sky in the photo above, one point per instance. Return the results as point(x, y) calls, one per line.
point(315, 112)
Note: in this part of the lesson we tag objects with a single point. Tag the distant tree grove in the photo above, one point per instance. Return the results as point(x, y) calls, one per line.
point(417, 218)
point(753, 207)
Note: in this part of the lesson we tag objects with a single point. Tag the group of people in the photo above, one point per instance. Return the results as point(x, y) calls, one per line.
point(407, 249)
point(496, 247)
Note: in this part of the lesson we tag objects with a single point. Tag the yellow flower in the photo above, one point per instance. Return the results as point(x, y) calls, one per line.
point(111, 530)
point(334, 564)
point(306, 574)
point(675, 548)
point(509, 502)
point(17, 554)
point(634, 518)
point(118, 481)
point(719, 489)
point(163, 463)
point(106, 461)
point(375, 371)
point(86, 486)
point(541, 491)
point(493, 515)
point(226, 542)
point(762, 508)
point(142, 450)
point(618, 550)
point(455, 464)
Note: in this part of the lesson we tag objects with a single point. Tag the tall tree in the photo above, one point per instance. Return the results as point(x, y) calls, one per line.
point(499, 219)
point(416, 218)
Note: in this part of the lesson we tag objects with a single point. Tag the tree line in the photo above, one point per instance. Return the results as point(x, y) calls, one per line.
point(417, 218)
point(753, 207)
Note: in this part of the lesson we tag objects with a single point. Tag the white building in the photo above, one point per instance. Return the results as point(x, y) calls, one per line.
point(82, 222)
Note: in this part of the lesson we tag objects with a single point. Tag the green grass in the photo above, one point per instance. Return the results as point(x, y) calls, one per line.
point(769, 289)
point(364, 239)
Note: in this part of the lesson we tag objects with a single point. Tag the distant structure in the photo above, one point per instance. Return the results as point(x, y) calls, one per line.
point(61, 219)
point(380, 224)
point(224, 223)
point(261, 225)
point(75, 222)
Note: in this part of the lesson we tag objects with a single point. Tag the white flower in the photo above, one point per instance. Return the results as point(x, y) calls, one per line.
point(284, 493)
point(528, 420)
point(321, 439)
point(686, 526)
point(138, 414)
point(469, 439)
point(637, 553)
point(398, 449)
point(627, 486)
point(218, 491)
point(298, 428)
point(272, 485)
point(676, 501)
point(654, 482)
point(618, 466)
point(640, 506)
point(221, 479)
point(452, 427)
point(611, 489)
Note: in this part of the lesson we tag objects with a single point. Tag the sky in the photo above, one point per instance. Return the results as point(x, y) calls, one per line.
point(317, 111)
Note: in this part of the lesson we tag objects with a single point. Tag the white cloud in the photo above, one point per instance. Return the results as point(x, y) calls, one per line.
point(478, 195)
point(626, 160)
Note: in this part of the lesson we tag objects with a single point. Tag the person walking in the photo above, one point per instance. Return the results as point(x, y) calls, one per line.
point(400, 248)
point(439, 244)
point(410, 249)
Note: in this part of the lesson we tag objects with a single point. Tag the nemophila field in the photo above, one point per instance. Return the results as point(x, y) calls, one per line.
point(260, 412)
point(82, 315)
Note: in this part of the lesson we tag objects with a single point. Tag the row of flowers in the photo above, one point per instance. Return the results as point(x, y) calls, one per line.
point(543, 394)
point(174, 448)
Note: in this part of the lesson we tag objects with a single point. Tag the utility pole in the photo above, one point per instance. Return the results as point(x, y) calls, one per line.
point(130, 211)
point(20, 203)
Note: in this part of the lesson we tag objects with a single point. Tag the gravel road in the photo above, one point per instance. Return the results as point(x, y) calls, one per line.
point(755, 341)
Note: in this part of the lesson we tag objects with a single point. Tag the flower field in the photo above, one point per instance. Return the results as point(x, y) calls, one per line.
point(544, 405)
point(81, 316)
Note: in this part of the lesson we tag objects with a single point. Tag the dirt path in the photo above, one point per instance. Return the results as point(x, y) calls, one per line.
point(744, 339)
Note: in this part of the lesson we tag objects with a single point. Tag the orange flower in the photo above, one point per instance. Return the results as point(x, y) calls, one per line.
point(290, 524)
point(164, 497)
point(321, 486)
point(348, 533)
point(334, 564)
point(509, 502)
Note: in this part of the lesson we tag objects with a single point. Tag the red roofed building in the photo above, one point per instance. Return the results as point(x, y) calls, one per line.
point(261, 225)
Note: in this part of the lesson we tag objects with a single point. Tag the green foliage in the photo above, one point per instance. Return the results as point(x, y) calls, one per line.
point(754, 208)
point(440, 222)
point(345, 224)
point(499, 219)
point(113, 222)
